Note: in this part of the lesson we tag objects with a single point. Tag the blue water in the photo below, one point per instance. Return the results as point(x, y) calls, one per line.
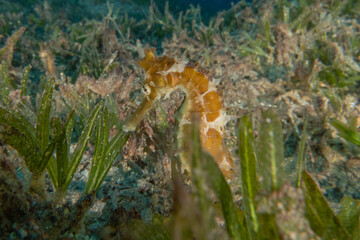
point(208, 7)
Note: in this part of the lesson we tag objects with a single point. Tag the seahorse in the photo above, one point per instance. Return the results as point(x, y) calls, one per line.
point(165, 75)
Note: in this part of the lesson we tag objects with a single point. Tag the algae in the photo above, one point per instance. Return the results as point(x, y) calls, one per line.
point(68, 77)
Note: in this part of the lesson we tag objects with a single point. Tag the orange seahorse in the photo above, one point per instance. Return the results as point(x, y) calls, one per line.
point(165, 75)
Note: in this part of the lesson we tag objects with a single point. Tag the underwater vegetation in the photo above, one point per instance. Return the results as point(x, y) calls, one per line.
point(287, 75)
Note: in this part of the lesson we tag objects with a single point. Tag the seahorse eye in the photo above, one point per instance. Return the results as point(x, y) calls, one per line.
point(147, 89)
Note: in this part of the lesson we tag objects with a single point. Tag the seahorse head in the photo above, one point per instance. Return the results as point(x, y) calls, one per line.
point(154, 71)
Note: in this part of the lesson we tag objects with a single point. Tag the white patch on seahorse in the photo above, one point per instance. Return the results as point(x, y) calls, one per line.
point(177, 67)
point(217, 124)
point(211, 88)
point(224, 164)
